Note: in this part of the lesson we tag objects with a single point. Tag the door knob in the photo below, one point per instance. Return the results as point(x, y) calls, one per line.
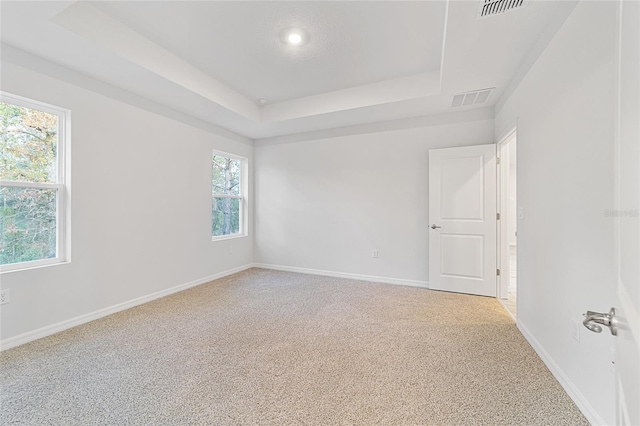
point(434, 226)
point(592, 319)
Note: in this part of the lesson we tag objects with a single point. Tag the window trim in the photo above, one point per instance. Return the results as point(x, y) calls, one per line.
point(243, 197)
point(63, 210)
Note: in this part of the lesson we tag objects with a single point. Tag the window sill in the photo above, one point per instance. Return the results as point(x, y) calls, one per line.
point(27, 266)
point(228, 237)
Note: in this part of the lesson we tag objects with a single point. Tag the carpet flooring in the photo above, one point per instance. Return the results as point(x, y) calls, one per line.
point(276, 348)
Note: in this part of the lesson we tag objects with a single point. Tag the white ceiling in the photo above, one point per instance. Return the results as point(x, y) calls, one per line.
point(239, 43)
point(363, 62)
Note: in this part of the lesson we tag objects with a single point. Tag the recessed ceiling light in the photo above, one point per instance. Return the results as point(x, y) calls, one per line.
point(294, 38)
point(262, 101)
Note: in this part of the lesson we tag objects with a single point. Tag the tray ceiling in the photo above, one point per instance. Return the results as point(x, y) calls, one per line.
point(361, 61)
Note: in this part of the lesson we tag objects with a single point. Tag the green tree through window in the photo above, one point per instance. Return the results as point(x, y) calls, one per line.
point(227, 196)
point(30, 184)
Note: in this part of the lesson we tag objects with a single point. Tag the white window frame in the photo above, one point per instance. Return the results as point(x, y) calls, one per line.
point(61, 186)
point(243, 205)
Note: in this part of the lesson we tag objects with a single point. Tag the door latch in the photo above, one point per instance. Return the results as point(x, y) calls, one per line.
point(592, 319)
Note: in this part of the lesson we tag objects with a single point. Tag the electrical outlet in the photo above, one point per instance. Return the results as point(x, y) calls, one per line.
point(230, 249)
point(5, 296)
point(575, 330)
point(374, 253)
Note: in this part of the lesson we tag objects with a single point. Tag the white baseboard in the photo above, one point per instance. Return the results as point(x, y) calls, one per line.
point(371, 278)
point(39, 333)
point(583, 405)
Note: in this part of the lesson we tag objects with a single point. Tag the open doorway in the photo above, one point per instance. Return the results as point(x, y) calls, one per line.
point(508, 240)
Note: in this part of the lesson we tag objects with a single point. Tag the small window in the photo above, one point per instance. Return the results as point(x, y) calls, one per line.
point(32, 183)
point(229, 196)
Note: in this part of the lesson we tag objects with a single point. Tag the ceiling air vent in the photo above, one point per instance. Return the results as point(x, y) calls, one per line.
point(472, 98)
point(496, 7)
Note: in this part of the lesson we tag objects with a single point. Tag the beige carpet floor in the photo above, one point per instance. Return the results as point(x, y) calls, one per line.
point(268, 347)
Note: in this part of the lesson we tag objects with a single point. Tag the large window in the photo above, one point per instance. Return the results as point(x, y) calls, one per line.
point(229, 198)
point(32, 183)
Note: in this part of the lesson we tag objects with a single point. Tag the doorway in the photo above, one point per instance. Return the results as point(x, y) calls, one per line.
point(508, 229)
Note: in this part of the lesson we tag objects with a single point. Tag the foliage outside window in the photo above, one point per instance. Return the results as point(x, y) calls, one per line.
point(228, 196)
point(31, 183)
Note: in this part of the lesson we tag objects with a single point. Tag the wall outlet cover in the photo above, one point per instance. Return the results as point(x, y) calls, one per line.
point(5, 296)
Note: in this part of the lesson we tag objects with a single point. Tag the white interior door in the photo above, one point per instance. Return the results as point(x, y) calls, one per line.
point(627, 235)
point(462, 214)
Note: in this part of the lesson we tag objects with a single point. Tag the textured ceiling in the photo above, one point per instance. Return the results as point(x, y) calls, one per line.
point(364, 62)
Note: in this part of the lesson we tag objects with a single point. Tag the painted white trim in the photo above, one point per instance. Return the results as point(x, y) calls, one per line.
point(371, 278)
point(235, 197)
point(48, 330)
point(61, 184)
point(504, 145)
point(572, 390)
point(511, 130)
point(37, 185)
point(228, 237)
point(243, 228)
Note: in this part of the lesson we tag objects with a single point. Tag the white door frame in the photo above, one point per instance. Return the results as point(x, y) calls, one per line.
point(502, 248)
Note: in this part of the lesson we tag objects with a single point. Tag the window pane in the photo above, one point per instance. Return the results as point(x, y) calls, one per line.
point(226, 176)
point(28, 144)
point(27, 224)
point(226, 216)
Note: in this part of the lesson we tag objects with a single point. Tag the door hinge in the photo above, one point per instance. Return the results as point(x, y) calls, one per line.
point(497, 160)
point(498, 272)
point(497, 216)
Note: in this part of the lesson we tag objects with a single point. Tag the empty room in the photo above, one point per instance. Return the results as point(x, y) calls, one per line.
point(320, 212)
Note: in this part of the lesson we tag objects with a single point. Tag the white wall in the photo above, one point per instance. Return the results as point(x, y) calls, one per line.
point(326, 203)
point(564, 108)
point(141, 203)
